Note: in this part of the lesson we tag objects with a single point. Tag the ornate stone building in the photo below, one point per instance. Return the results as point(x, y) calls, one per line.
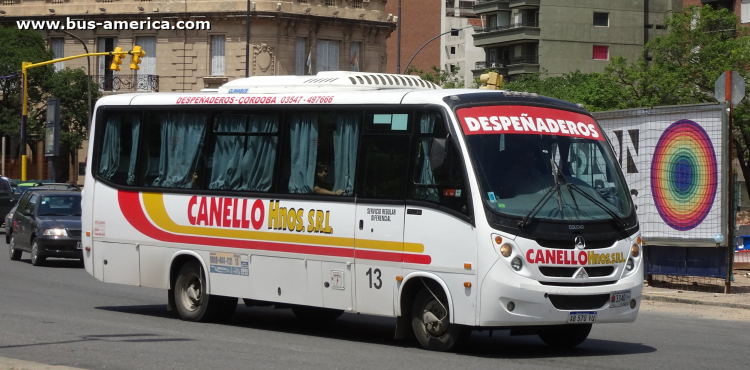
point(195, 44)
point(286, 37)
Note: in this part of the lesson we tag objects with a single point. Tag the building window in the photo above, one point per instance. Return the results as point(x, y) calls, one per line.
point(354, 56)
point(148, 65)
point(327, 56)
point(357, 4)
point(601, 52)
point(453, 50)
point(57, 44)
point(217, 55)
point(601, 19)
point(330, 2)
point(745, 11)
point(301, 60)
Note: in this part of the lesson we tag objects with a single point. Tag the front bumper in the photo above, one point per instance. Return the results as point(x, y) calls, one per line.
point(57, 246)
point(533, 306)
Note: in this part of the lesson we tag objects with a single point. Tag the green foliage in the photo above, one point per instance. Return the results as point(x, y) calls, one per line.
point(440, 77)
point(69, 85)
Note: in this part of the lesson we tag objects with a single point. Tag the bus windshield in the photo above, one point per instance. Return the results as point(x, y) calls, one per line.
point(544, 163)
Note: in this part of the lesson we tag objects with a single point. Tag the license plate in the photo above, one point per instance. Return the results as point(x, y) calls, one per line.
point(582, 317)
point(78, 246)
point(619, 298)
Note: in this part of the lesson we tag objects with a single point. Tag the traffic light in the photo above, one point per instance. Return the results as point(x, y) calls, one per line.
point(137, 54)
point(492, 81)
point(116, 59)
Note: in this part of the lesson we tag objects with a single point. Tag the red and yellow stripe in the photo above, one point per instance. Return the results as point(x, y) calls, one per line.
point(158, 225)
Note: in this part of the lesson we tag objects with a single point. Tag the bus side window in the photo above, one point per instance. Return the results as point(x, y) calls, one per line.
point(119, 147)
point(322, 152)
point(384, 158)
point(438, 176)
point(172, 154)
point(242, 153)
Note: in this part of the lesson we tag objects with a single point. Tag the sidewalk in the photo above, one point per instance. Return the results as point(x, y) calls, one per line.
point(696, 295)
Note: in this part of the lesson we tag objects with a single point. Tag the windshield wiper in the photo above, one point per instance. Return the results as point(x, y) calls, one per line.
point(527, 219)
point(610, 212)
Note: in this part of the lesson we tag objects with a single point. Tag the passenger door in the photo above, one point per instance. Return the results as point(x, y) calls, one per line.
point(24, 220)
point(378, 235)
point(437, 211)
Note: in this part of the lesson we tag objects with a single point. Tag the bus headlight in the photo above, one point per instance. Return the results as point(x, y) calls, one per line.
point(516, 264)
point(630, 265)
point(635, 250)
point(55, 232)
point(506, 250)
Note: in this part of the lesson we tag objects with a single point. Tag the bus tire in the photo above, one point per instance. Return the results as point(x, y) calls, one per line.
point(15, 254)
point(189, 294)
point(565, 336)
point(316, 313)
point(440, 335)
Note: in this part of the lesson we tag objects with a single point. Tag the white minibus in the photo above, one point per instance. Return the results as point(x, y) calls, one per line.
point(450, 210)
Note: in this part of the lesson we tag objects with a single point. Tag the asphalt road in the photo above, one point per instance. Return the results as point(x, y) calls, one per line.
point(60, 315)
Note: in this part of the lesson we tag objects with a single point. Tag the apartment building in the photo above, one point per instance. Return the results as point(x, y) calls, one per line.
point(285, 37)
point(458, 50)
point(561, 36)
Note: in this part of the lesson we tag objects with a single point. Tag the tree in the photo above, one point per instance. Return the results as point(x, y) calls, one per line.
point(68, 84)
point(440, 77)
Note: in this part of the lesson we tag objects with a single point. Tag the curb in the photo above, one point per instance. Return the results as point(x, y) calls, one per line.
point(663, 298)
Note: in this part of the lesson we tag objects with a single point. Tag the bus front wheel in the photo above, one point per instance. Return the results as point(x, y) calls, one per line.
point(565, 336)
point(193, 304)
point(431, 324)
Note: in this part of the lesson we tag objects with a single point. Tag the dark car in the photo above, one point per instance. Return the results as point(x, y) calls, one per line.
point(9, 216)
point(47, 224)
point(9, 193)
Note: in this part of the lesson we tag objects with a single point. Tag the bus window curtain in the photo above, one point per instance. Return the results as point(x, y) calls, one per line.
point(136, 129)
point(345, 141)
point(181, 145)
point(110, 158)
point(427, 125)
point(258, 162)
point(228, 152)
point(303, 137)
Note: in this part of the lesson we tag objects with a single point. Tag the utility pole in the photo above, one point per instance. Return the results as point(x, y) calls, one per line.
point(398, 42)
point(247, 41)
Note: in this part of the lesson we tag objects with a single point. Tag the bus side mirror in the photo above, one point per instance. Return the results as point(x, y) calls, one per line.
point(438, 153)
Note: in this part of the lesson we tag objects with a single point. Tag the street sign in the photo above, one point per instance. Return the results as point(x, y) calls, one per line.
point(738, 88)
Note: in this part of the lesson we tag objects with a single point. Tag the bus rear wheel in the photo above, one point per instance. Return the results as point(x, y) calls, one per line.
point(193, 304)
point(565, 336)
point(430, 321)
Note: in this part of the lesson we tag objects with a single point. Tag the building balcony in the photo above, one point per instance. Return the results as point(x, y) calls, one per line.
point(483, 67)
point(523, 64)
point(488, 6)
point(465, 9)
point(511, 33)
point(127, 83)
point(524, 4)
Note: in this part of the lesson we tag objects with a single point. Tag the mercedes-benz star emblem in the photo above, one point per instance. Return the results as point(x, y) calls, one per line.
point(580, 243)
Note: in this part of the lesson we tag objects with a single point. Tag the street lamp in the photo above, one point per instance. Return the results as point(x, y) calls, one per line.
point(453, 32)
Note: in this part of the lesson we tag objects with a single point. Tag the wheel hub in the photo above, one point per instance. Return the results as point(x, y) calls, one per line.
point(192, 296)
point(434, 319)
